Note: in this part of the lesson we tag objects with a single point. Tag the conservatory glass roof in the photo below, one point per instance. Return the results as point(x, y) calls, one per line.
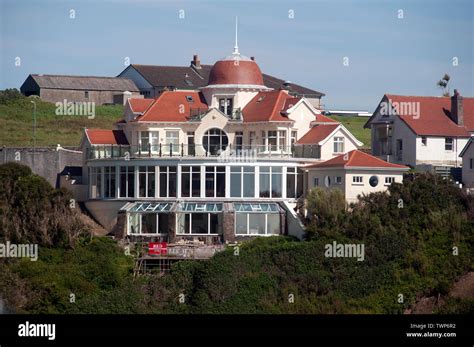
point(200, 207)
point(256, 207)
point(151, 207)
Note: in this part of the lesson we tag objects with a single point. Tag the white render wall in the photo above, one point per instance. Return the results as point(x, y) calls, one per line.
point(327, 148)
point(467, 173)
point(352, 190)
point(434, 152)
point(302, 116)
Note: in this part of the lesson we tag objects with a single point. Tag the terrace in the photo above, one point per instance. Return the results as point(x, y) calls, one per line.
point(198, 150)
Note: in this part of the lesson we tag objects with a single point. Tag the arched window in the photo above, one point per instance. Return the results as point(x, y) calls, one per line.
point(214, 141)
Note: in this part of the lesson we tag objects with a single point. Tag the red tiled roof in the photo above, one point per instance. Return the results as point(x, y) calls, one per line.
point(434, 115)
point(173, 106)
point(357, 158)
point(106, 137)
point(289, 103)
point(139, 105)
point(324, 119)
point(317, 133)
point(267, 106)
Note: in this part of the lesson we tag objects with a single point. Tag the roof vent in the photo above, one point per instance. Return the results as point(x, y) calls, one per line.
point(261, 98)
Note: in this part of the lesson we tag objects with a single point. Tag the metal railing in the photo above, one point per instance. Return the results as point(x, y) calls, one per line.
point(198, 150)
point(196, 114)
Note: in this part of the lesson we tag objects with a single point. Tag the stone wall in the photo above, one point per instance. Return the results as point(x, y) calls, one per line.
point(99, 97)
point(45, 162)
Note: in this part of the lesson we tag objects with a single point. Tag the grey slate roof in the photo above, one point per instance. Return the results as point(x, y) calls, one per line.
point(186, 77)
point(85, 82)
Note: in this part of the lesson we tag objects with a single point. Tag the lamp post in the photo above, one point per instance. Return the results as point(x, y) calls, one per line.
point(34, 132)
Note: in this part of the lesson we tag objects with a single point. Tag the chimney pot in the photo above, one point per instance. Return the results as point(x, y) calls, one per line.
point(252, 58)
point(196, 62)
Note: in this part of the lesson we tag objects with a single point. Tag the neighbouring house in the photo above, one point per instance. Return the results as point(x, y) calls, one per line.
point(326, 139)
point(421, 130)
point(152, 80)
point(355, 173)
point(467, 155)
point(215, 165)
point(100, 90)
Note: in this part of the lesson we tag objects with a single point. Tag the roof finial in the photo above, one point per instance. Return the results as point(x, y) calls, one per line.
point(236, 47)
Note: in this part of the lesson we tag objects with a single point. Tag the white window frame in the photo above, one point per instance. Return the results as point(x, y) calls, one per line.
point(189, 233)
point(169, 138)
point(293, 137)
point(338, 144)
point(389, 180)
point(156, 233)
point(338, 180)
point(446, 144)
point(248, 224)
point(357, 180)
point(153, 140)
point(315, 181)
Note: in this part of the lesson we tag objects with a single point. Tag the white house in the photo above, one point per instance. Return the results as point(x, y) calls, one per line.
point(355, 173)
point(415, 130)
point(222, 163)
point(467, 155)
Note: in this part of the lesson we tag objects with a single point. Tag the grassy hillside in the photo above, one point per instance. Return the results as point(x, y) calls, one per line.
point(356, 126)
point(16, 123)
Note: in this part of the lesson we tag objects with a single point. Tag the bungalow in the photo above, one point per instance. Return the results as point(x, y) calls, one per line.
point(355, 173)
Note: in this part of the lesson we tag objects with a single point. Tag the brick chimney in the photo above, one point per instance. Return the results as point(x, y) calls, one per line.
point(457, 110)
point(196, 62)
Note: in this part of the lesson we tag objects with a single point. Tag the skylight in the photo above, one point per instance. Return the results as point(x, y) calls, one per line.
point(200, 207)
point(151, 207)
point(256, 207)
point(189, 98)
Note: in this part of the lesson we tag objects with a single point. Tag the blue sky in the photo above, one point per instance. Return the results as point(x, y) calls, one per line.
point(386, 54)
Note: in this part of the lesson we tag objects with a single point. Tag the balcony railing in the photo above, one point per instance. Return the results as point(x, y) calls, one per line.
point(198, 150)
point(196, 114)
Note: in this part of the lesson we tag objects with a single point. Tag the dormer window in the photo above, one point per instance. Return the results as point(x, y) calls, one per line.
point(338, 144)
point(226, 105)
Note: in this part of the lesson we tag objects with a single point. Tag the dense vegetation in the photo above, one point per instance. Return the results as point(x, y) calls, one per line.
point(408, 251)
point(31, 211)
point(16, 121)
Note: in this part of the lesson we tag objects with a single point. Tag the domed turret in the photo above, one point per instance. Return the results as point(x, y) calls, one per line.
point(235, 70)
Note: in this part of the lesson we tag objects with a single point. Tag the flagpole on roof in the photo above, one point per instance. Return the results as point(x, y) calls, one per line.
point(236, 47)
